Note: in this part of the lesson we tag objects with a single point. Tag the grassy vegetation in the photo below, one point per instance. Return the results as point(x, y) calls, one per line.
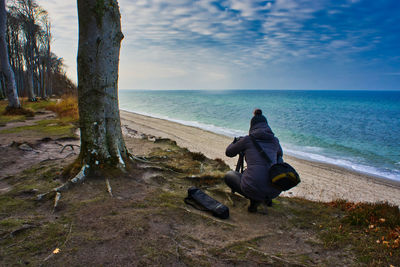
point(373, 230)
point(49, 127)
point(4, 119)
point(67, 107)
point(67, 115)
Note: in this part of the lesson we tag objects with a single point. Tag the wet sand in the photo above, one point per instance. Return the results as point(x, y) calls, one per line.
point(319, 181)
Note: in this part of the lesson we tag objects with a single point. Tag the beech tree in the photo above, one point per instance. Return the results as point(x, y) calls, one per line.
point(10, 85)
point(102, 144)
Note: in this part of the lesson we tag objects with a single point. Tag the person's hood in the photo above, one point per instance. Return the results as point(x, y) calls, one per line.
point(261, 131)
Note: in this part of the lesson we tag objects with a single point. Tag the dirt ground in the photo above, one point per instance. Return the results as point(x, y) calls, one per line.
point(144, 221)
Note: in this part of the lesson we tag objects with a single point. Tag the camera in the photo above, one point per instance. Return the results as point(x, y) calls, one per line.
point(237, 139)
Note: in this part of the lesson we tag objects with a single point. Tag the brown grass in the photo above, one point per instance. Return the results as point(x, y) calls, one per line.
point(67, 107)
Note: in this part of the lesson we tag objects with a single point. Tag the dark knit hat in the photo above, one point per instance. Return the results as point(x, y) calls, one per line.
point(258, 117)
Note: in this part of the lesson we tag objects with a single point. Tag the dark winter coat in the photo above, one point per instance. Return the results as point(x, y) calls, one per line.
point(254, 179)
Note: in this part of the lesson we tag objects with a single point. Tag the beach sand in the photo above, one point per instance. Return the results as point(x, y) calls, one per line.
point(319, 181)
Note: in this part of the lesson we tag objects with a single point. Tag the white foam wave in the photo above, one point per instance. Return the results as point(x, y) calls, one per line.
point(207, 127)
point(345, 163)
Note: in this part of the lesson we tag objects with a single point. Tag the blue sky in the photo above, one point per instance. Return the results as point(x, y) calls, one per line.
point(248, 44)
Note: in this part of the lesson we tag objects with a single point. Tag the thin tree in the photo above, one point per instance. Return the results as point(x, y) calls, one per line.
point(11, 87)
point(30, 13)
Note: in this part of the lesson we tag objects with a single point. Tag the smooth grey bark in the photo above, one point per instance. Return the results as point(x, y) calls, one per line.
point(11, 87)
point(48, 58)
point(100, 36)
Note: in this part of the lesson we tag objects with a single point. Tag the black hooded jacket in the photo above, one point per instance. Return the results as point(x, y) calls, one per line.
point(254, 181)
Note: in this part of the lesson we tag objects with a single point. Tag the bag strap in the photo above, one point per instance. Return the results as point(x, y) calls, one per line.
point(259, 148)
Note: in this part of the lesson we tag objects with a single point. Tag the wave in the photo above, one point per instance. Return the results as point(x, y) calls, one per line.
point(311, 153)
point(345, 163)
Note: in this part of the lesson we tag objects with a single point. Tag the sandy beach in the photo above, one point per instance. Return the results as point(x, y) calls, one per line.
point(320, 181)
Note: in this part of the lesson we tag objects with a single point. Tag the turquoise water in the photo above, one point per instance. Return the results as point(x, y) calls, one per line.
point(358, 130)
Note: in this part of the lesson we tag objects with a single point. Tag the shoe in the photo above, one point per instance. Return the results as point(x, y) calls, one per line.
point(253, 206)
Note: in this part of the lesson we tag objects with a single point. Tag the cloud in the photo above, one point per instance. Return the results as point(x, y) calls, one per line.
point(64, 28)
point(221, 38)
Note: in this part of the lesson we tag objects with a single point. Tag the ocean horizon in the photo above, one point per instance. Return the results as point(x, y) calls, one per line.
point(357, 130)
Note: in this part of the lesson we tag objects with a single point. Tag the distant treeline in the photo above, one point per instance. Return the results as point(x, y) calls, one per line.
point(38, 71)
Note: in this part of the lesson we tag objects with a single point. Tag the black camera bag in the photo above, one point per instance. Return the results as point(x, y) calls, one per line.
point(282, 176)
point(201, 201)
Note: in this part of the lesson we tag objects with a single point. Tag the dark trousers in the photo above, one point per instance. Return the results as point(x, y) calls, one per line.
point(232, 179)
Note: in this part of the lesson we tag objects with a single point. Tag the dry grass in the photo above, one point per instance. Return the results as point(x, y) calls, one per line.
point(66, 107)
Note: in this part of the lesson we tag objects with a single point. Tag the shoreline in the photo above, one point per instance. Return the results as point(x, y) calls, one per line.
point(320, 181)
point(298, 154)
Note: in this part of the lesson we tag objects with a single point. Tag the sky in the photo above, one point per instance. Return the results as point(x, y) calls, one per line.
point(247, 44)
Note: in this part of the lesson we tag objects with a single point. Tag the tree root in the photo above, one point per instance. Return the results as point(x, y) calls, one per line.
point(68, 145)
point(109, 187)
point(80, 177)
point(134, 158)
point(56, 200)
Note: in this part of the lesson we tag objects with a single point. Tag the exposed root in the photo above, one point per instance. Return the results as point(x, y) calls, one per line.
point(56, 200)
point(133, 158)
point(19, 230)
point(158, 168)
point(80, 177)
point(68, 145)
point(109, 187)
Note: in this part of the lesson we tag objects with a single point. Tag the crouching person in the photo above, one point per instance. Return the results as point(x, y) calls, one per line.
point(253, 182)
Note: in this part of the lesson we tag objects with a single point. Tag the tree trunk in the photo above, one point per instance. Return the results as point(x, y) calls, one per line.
point(100, 36)
point(2, 94)
point(11, 88)
point(30, 64)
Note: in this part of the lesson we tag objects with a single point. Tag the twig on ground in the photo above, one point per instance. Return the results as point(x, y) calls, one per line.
point(57, 250)
point(275, 257)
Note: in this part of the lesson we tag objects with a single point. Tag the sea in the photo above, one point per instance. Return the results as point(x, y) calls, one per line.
point(357, 130)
